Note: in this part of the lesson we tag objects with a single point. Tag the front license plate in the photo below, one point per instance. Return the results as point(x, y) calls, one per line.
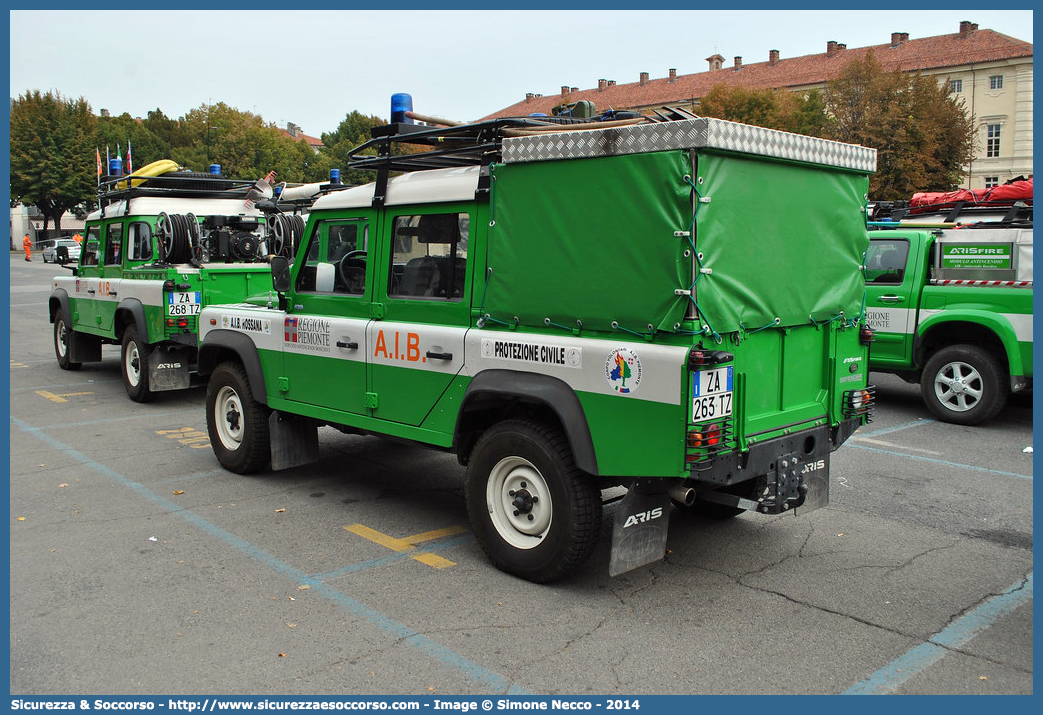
point(711, 394)
point(184, 303)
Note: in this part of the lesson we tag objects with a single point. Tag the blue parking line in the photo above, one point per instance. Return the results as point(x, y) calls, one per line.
point(896, 428)
point(419, 641)
point(940, 461)
point(897, 672)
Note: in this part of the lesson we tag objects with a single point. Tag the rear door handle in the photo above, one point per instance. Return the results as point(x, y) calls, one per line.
point(347, 346)
point(439, 356)
point(892, 299)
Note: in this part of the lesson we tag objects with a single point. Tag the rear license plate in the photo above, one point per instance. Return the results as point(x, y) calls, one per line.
point(183, 303)
point(711, 394)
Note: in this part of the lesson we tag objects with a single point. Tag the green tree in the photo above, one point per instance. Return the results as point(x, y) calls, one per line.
point(353, 130)
point(798, 112)
point(52, 153)
point(117, 131)
point(921, 132)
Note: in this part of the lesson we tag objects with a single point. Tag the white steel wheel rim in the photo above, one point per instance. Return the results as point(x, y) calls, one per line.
point(958, 386)
point(133, 364)
point(228, 417)
point(62, 339)
point(515, 492)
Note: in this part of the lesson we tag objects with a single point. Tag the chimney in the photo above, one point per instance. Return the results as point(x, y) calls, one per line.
point(716, 61)
point(738, 62)
point(529, 96)
point(612, 83)
point(574, 89)
point(564, 90)
point(105, 113)
point(896, 39)
point(905, 37)
point(831, 48)
point(673, 75)
point(602, 83)
point(841, 46)
point(773, 57)
point(967, 27)
point(292, 129)
point(643, 78)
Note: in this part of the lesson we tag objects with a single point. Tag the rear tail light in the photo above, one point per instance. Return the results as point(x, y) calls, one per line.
point(865, 335)
point(704, 436)
point(860, 402)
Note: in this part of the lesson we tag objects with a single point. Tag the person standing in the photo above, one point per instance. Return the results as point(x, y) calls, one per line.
point(27, 244)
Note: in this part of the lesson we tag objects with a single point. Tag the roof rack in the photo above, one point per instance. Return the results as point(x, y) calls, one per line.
point(172, 185)
point(478, 143)
point(1005, 212)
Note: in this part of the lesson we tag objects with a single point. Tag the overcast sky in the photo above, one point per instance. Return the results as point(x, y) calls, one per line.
point(313, 67)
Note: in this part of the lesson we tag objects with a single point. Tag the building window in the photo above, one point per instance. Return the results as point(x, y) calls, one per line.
point(955, 86)
point(992, 140)
point(991, 181)
point(996, 81)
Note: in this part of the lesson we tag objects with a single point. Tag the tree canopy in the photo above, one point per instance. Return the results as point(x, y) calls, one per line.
point(52, 152)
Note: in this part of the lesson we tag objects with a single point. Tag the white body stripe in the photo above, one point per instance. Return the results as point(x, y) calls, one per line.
point(1021, 323)
point(651, 372)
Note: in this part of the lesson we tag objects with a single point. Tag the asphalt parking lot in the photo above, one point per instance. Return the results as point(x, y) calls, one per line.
point(139, 566)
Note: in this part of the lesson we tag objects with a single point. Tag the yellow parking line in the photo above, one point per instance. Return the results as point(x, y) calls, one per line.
point(409, 543)
point(60, 398)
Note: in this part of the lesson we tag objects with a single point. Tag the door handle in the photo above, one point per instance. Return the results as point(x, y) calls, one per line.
point(439, 356)
point(347, 346)
point(892, 299)
point(112, 292)
point(91, 291)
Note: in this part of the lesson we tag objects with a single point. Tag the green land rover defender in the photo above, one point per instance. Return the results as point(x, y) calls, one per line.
point(675, 307)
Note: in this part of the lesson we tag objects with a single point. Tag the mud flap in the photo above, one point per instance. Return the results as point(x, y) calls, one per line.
point(639, 529)
point(294, 439)
point(815, 474)
point(168, 369)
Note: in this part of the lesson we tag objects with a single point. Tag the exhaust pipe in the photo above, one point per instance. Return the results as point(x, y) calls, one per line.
point(682, 494)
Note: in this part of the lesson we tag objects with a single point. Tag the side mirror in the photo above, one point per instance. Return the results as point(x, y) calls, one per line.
point(280, 273)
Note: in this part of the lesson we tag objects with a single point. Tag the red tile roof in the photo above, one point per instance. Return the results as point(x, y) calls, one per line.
point(928, 53)
point(312, 141)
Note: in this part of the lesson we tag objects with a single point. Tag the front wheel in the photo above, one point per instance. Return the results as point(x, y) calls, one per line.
point(964, 384)
point(134, 359)
point(62, 336)
point(535, 514)
point(237, 424)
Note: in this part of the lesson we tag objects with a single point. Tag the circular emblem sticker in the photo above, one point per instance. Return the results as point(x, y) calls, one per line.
point(623, 370)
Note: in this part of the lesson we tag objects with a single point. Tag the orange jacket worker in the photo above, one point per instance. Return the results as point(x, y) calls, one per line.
point(27, 244)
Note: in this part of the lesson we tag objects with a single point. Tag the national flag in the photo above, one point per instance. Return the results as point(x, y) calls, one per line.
point(97, 153)
point(130, 160)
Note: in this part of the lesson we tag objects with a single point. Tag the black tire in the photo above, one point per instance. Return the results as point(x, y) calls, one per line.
point(535, 514)
point(237, 424)
point(134, 366)
point(964, 385)
point(62, 335)
point(710, 509)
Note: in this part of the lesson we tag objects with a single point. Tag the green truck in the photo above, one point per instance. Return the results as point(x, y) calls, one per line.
point(951, 309)
point(159, 248)
point(674, 307)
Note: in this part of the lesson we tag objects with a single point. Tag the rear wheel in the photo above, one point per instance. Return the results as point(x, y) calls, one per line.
point(62, 337)
point(237, 424)
point(134, 359)
point(535, 514)
point(964, 384)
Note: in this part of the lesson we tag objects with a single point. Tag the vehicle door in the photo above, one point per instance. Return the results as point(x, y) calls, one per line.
point(416, 346)
point(324, 331)
point(893, 281)
point(111, 272)
point(83, 299)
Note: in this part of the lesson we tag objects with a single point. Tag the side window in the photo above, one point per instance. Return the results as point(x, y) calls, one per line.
point(335, 261)
point(139, 247)
point(429, 256)
point(885, 261)
point(114, 244)
point(91, 246)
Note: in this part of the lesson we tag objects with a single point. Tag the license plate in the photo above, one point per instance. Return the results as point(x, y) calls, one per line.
point(711, 394)
point(183, 303)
